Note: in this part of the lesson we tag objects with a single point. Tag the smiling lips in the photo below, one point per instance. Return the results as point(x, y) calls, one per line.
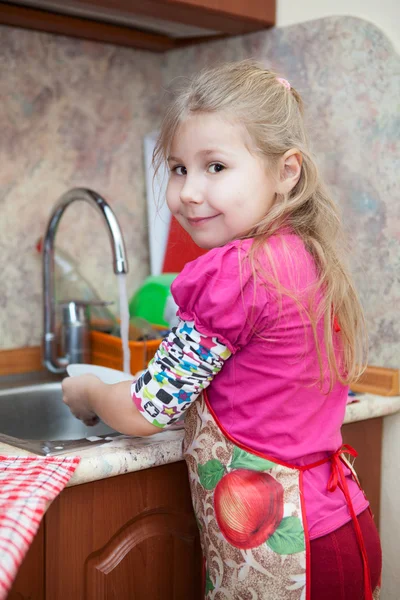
point(197, 221)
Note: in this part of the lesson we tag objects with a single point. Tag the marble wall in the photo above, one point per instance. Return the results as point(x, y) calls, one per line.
point(72, 113)
point(75, 112)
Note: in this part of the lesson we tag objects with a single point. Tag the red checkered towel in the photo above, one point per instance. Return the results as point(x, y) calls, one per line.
point(28, 484)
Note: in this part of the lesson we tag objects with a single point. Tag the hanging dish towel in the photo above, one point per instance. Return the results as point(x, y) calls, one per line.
point(28, 484)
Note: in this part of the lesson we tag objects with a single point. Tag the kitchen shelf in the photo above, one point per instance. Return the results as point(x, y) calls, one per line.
point(156, 25)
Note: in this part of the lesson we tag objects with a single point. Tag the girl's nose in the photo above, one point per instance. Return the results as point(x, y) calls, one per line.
point(190, 193)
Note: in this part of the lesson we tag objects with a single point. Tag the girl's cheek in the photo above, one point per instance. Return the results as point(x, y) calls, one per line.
point(171, 205)
point(171, 195)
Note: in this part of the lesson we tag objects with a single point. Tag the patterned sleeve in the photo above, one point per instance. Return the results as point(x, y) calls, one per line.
point(184, 365)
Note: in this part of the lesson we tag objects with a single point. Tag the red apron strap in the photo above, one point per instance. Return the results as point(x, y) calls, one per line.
point(338, 478)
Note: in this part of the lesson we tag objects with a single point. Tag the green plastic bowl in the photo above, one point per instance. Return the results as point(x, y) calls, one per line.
point(149, 300)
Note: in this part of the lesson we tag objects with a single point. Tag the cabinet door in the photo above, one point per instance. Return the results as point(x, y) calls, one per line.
point(29, 582)
point(133, 536)
point(366, 438)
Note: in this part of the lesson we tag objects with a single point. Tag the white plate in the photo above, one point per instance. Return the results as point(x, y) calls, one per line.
point(104, 373)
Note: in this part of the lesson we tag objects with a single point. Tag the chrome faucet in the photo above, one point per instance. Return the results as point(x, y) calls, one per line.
point(51, 361)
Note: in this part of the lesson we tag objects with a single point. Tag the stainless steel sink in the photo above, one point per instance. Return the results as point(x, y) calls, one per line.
point(34, 417)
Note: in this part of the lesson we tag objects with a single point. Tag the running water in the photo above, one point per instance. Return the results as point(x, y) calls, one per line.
point(124, 316)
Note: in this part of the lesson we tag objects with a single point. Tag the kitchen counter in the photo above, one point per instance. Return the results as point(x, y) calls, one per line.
point(370, 406)
point(129, 454)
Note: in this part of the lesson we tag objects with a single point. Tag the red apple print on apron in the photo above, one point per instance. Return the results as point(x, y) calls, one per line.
point(248, 507)
point(249, 503)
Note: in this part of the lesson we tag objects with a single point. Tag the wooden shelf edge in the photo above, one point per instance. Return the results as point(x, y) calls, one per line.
point(58, 23)
point(378, 380)
point(21, 360)
point(96, 31)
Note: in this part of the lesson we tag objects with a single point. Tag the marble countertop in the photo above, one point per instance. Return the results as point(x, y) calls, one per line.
point(127, 454)
point(369, 406)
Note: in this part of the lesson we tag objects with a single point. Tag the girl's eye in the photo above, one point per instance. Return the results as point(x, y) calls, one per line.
point(179, 170)
point(216, 168)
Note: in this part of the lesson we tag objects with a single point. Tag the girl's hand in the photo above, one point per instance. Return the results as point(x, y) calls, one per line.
point(90, 400)
point(77, 392)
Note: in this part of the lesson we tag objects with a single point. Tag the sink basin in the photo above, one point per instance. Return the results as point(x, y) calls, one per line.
point(34, 417)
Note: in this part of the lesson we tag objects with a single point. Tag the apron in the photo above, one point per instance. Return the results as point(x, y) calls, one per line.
point(251, 515)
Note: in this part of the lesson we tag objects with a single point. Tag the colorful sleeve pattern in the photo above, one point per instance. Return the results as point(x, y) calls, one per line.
point(184, 365)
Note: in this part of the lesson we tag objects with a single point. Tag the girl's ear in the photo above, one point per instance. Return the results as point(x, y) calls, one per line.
point(289, 170)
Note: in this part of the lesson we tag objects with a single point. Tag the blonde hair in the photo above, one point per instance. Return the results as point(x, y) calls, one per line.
point(272, 113)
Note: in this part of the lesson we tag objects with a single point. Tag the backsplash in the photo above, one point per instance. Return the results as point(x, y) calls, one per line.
point(75, 113)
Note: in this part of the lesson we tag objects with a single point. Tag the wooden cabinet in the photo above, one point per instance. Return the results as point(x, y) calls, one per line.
point(157, 25)
point(29, 583)
point(135, 536)
point(366, 439)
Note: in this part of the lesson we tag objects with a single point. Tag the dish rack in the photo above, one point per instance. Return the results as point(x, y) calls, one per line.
point(106, 351)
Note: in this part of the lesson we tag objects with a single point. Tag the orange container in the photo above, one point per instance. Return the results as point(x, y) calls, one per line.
point(107, 351)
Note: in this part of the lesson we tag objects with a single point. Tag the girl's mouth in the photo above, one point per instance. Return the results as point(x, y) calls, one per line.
point(197, 221)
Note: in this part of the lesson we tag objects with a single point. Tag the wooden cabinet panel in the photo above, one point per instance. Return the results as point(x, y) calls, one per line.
point(155, 556)
point(264, 12)
point(29, 583)
point(157, 25)
point(132, 536)
point(366, 438)
point(87, 29)
point(226, 16)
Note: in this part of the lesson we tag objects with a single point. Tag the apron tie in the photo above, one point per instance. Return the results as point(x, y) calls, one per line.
point(338, 479)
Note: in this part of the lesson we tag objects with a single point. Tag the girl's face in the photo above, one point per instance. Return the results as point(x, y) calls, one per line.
point(217, 188)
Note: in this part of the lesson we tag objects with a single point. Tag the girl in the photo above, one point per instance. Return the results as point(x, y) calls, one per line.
point(270, 323)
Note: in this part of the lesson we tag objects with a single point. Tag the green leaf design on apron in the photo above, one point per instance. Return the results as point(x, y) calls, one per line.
point(210, 473)
point(209, 583)
point(243, 460)
point(288, 538)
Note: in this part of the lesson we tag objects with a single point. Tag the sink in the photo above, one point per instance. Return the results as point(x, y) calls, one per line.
point(34, 418)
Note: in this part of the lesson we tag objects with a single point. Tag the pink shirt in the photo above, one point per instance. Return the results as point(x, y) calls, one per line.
point(264, 395)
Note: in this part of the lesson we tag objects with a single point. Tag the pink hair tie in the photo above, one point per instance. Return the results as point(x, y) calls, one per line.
point(284, 82)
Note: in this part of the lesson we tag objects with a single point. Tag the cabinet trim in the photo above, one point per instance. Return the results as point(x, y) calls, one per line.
point(20, 360)
point(153, 523)
point(41, 20)
point(225, 17)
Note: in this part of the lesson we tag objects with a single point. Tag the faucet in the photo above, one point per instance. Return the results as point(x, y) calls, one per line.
point(51, 361)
